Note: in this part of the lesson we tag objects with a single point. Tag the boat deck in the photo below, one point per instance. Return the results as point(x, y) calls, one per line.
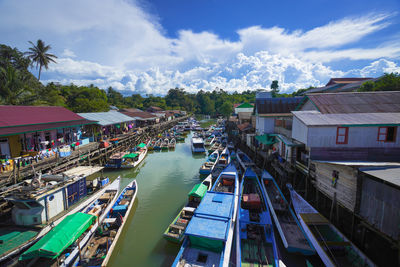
point(256, 253)
point(294, 236)
point(13, 237)
point(193, 257)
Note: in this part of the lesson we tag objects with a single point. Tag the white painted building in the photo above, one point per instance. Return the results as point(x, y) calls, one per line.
point(353, 136)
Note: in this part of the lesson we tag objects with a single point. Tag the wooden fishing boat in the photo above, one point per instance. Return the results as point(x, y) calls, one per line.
point(255, 240)
point(209, 235)
point(115, 160)
point(157, 145)
point(224, 158)
point(289, 228)
point(209, 141)
point(100, 247)
point(164, 144)
point(61, 245)
point(150, 145)
point(214, 147)
point(31, 222)
point(331, 245)
point(244, 160)
point(134, 158)
point(207, 167)
point(214, 156)
point(172, 143)
point(175, 231)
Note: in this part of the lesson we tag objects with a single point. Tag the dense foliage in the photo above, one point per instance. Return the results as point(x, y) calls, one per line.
point(388, 82)
point(19, 87)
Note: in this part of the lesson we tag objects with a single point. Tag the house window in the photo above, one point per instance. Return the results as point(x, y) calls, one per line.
point(342, 135)
point(387, 134)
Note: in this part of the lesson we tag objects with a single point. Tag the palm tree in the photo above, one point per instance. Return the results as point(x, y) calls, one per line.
point(38, 54)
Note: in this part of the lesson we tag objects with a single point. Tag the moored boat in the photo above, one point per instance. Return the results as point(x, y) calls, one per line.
point(213, 156)
point(209, 235)
point(244, 160)
point(209, 141)
point(61, 245)
point(198, 145)
point(32, 218)
point(255, 241)
point(331, 245)
point(172, 143)
point(134, 158)
point(175, 231)
point(100, 247)
point(157, 144)
point(224, 158)
point(165, 144)
point(115, 160)
point(289, 228)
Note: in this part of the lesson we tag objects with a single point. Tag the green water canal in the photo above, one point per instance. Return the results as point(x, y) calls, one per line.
point(164, 179)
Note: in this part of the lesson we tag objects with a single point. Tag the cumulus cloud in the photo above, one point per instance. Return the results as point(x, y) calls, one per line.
point(118, 44)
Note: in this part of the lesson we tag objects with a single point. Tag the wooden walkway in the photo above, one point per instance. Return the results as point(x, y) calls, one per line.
point(87, 154)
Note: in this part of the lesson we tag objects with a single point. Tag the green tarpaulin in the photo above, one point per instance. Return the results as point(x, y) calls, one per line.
point(130, 156)
point(141, 145)
point(199, 190)
point(266, 139)
point(60, 237)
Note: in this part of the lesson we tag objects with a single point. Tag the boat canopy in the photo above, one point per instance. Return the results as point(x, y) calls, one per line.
point(141, 145)
point(60, 237)
point(199, 190)
point(130, 156)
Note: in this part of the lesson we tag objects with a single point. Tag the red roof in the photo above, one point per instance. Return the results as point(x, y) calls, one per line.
point(28, 115)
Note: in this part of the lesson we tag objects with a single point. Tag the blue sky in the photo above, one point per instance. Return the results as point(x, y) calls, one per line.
point(150, 46)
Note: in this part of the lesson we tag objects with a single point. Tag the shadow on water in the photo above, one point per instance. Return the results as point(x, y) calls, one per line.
point(168, 250)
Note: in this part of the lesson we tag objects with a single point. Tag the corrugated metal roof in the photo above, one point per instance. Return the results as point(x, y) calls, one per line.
point(277, 104)
point(387, 174)
point(315, 118)
point(356, 102)
point(107, 118)
point(28, 115)
point(359, 163)
point(142, 115)
point(346, 80)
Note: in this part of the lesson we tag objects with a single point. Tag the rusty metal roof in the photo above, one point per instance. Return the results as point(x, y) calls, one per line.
point(356, 102)
point(277, 105)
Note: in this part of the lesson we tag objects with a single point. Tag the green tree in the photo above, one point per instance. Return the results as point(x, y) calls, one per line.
point(38, 54)
point(13, 89)
point(388, 82)
point(115, 98)
point(274, 87)
point(226, 109)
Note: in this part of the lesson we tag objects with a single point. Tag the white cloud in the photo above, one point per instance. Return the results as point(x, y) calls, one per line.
point(68, 53)
point(116, 43)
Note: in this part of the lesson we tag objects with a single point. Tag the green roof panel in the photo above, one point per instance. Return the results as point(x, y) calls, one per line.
point(245, 105)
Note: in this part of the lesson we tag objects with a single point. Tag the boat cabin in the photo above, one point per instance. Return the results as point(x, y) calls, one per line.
point(43, 199)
